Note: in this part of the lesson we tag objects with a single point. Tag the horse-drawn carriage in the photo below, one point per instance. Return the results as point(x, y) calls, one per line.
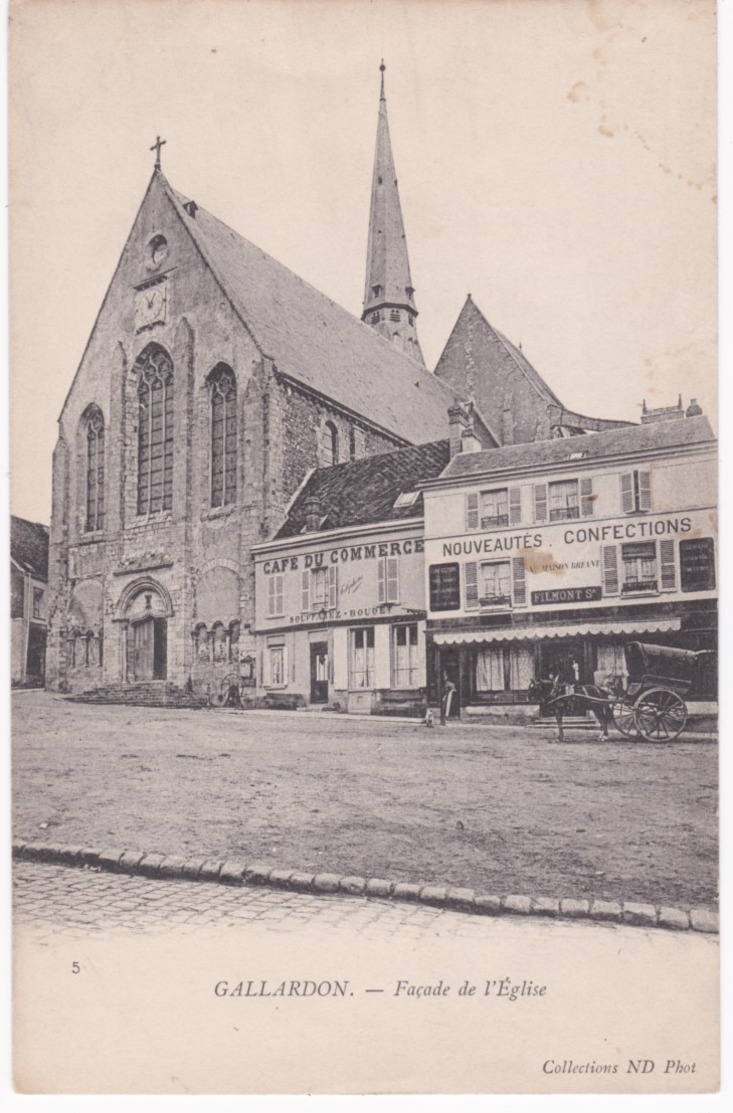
point(650, 706)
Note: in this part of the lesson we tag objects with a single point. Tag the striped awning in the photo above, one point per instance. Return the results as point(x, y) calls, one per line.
point(570, 630)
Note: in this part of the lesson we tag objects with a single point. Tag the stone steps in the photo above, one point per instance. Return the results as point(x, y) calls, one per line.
point(157, 693)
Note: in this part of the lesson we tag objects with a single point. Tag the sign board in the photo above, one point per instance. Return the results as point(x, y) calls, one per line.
point(697, 564)
point(445, 587)
point(566, 595)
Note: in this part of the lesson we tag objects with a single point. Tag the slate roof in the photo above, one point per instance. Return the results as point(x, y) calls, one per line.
point(594, 446)
point(314, 341)
point(365, 490)
point(29, 546)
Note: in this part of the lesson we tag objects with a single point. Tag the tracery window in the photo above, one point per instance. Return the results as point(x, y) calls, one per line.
point(155, 432)
point(95, 469)
point(223, 388)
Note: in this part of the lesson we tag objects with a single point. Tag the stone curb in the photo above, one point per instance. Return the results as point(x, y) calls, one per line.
point(235, 872)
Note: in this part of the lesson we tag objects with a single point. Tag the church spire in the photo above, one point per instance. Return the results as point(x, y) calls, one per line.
point(389, 304)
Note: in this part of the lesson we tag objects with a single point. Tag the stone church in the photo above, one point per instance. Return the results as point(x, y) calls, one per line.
point(213, 383)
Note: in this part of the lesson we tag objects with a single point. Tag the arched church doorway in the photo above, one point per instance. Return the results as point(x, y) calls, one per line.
point(146, 609)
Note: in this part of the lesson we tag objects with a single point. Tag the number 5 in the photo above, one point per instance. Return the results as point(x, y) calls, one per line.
point(75, 968)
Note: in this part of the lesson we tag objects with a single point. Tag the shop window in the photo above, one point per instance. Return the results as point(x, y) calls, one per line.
point(492, 670)
point(494, 509)
point(563, 500)
point(37, 602)
point(636, 491)
point(276, 677)
point(405, 664)
point(362, 658)
point(276, 595)
point(223, 428)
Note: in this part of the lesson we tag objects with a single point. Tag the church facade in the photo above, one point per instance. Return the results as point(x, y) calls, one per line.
point(213, 383)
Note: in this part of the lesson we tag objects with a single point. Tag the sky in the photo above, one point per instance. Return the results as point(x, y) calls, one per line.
point(555, 159)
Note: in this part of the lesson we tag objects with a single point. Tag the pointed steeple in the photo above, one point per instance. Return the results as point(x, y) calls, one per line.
point(389, 305)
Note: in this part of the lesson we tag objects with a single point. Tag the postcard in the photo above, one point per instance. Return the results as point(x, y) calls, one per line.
point(364, 551)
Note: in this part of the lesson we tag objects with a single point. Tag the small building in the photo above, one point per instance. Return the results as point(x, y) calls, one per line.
point(560, 552)
point(28, 601)
point(340, 604)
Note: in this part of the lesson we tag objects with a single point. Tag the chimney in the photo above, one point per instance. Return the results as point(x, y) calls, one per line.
point(312, 507)
point(694, 409)
point(457, 425)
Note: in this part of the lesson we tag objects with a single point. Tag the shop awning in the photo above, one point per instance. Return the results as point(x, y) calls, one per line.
point(610, 628)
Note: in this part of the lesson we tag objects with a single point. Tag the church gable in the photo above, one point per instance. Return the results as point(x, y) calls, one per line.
point(482, 365)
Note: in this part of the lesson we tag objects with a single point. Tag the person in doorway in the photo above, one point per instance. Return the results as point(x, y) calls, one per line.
point(449, 697)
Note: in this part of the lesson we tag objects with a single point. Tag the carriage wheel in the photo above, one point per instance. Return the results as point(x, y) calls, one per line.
point(623, 718)
point(660, 715)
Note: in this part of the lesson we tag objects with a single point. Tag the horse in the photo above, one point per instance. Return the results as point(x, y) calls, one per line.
point(558, 698)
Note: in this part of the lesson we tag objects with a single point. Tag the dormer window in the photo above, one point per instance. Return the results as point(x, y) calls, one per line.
point(406, 498)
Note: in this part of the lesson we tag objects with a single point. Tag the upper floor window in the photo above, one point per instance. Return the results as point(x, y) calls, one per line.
point(37, 602)
point(319, 588)
point(636, 491)
point(496, 583)
point(495, 509)
point(564, 499)
point(330, 445)
point(275, 595)
point(94, 423)
point(388, 580)
point(155, 432)
point(223, 391)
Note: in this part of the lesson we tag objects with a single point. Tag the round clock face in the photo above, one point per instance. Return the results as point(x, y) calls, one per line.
point(150, 305)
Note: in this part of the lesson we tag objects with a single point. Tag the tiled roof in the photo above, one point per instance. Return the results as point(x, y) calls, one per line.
point(314, 341)
point(29, 546)
point(594, 446)
point(365, 490)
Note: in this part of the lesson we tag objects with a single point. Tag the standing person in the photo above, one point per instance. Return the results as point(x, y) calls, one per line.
point(449, 696)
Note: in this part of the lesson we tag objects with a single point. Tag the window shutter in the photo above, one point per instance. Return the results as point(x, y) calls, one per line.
point(393, 580)
point(271, 596)
point(627, 492)
point(471, 574)
point(540, 502)
point(645, 490)
point(472, 511)
point(515, 506)
point(586, 498)
point(266, 668)
point(340, 658)
point(382, 678)
point(305, 590)
point(667, 566)
point(519, 580)
point(286, 674)
point(421, 670)
point(332, 587)
point(382, 581)
point(610, 569)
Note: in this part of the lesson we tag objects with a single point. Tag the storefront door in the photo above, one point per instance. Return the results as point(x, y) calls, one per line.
point(451, 675)
point(568, 658)
point(319, 672)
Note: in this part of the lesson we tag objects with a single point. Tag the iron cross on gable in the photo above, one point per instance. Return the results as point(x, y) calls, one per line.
point(156, 147)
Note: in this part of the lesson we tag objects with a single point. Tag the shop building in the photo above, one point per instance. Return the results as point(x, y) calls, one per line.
point(28, 601)
point(340, 604)
point(558, 553)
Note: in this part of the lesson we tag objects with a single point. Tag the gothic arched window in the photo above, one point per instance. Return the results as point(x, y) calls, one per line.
point(223, 388)
point(94, 429)
point(155, 432)
point(330, 445)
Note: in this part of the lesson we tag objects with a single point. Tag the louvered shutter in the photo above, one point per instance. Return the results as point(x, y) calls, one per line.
point(472, 511)
point(333, 586)
point(667, 566)
point(421, 668)
point(610, 569)
point(470, 572)
point(266, 667)
point(393, 580)
point(586, 498)
point(540, 502)
point(340, 658)
point(519, 582)
point(627, 492)
point(382, 581)
point(645, 490)
point(515, 506)
point(305, 590)
point(286, 675)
